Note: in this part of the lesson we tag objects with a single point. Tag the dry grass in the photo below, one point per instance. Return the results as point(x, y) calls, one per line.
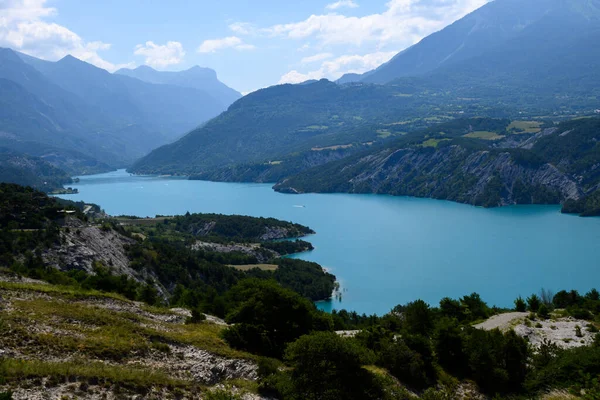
point(263, 267)
point(68, 292)
point(24, 369)
point(484, 135)
point(340, 146)
point(90, 330)
point(559, 395)
point(524, 127)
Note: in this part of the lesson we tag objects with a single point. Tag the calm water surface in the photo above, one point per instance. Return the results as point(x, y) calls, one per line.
point(390, 250)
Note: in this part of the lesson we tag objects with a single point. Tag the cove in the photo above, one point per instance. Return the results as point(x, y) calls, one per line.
point(390, 250)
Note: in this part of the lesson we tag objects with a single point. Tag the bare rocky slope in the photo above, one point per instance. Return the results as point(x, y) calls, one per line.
point(555, 165)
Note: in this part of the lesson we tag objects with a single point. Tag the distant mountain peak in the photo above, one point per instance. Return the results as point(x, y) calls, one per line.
point(196, 77)
point(69, 58)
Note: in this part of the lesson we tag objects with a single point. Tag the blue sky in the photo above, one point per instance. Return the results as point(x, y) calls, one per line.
point(251, 44)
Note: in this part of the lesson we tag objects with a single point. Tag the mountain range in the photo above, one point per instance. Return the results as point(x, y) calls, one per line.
point(494, 37)
point(524, 61)
point(84, 119)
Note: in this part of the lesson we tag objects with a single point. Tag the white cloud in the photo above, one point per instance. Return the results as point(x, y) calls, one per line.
point(160, 56)
point(23, 27)
point(212, 45)
point(243, 28)
point(403, 23)
point(341, 4)
point(334, 69)
point(315, 58)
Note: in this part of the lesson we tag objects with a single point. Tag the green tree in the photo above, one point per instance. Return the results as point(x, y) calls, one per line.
point(520, 304)
point(449, 346)
point(533, 303)
point(418, 317)
point(451, 308)
point(267, 317)
point(327, 367)
point(477, 308)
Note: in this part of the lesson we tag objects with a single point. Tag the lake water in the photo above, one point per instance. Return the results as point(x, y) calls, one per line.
point(390, 250)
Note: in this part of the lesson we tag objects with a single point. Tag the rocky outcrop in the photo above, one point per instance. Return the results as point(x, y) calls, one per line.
point(173, 350)
point(82, 245)
point(485, 177)
point(261, 254)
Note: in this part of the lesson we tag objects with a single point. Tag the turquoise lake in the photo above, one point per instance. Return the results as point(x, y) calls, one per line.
point(390, 250)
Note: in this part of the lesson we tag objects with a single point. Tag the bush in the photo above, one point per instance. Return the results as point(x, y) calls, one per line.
point(543, 312)
point(221, 395)
point(197, 317)
point(580, 313)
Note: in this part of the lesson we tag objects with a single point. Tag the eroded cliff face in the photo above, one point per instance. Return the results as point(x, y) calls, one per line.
point(490, 177)
point(82, 245)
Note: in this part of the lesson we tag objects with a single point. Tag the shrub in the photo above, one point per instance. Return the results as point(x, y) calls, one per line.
point(580, 313)
point(543, 312)
point(222, 395)
point(197, 316)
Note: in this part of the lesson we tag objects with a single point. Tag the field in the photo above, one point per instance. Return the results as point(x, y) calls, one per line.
point(338, 147)
point(432, 142)
point(524, 127)
point(484, 135)
point(264, 267)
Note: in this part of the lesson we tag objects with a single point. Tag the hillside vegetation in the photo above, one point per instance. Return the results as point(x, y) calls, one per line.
point(481, 161)
point(107, 327)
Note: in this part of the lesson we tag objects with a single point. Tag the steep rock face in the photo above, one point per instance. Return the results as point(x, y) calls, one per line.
point(489, 178)
point(83, 245)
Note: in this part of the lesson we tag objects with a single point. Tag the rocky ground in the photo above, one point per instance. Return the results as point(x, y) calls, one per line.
point(261, 254)
point(57, 344)
point(565, 332)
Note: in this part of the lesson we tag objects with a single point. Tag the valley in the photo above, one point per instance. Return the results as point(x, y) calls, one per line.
point(387, 207)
